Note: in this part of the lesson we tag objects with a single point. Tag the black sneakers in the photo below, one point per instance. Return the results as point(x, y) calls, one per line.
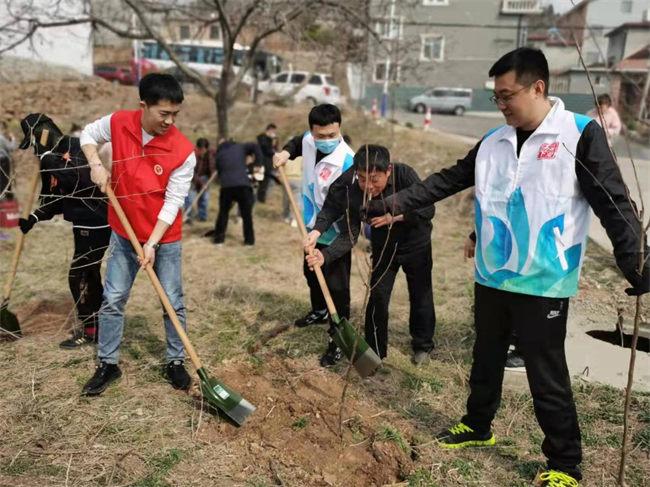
point(177, 375)
point(332, 355)
point(104, 375)
point(515, 361)
point(78, 339)
point(312, 318)
point(462, 436)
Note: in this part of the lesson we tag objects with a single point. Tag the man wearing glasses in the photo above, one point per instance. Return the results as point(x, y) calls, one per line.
point(535, 180)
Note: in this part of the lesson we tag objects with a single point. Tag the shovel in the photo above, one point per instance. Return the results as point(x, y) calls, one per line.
point(217, 394)
point(9, 326)
point(354, 346)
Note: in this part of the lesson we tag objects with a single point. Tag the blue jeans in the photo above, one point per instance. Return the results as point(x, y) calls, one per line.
point(202, 204)
point(121, 270)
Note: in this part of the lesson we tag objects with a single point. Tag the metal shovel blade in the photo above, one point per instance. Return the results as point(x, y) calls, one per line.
point(221, 397)
point(9, 326)
point(355, 348)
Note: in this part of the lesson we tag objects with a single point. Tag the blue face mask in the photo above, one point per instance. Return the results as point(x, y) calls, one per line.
point(327, 146)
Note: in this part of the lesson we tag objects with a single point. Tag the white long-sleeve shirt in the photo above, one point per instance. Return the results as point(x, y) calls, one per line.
point(180, 179)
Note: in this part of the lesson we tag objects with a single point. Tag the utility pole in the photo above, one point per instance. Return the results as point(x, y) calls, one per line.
point(384, 96)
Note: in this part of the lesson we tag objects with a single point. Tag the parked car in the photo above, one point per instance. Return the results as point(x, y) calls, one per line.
point(303, 85)
point(116, 74)
point(450, 100)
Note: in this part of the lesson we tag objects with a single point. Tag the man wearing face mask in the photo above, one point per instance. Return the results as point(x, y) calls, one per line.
point(325, 156)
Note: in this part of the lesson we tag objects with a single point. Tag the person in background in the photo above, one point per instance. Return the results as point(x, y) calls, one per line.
point(232, 165)
point(202, 173)
point(75, 130)
point(66, 189)
point(609, 115)
point(268, 142)
point(8, 144)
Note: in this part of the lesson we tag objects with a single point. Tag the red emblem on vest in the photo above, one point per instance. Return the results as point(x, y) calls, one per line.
point(548, 150)
point(158, 169)
point(325, 173)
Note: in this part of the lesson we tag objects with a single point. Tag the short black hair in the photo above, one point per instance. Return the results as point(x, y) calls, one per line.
point(156, 87)
point(324, 114)
point(202, 143)
point(271, 126)
point(604, 98)
point(529, 64)
point(372, 156)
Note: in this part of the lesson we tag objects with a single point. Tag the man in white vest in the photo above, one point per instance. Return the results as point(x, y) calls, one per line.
point(535, 180)
point(325, 156)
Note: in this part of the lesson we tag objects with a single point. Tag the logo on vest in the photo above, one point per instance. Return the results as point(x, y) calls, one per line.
point(548, 150)
point(325, 173)
point(158, 169)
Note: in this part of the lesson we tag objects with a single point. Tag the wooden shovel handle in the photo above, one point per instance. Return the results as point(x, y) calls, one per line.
point(153, 277)
point(195, 201)
point(303, 231)
point(27, 209)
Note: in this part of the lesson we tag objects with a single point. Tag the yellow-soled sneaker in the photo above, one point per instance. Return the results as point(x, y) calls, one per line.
point(555, 478)
point(462, 436)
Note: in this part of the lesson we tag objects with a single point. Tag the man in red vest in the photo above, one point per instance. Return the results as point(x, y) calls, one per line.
point(153, 166)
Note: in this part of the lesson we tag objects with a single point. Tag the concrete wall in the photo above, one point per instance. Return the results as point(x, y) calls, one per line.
point(69, 46)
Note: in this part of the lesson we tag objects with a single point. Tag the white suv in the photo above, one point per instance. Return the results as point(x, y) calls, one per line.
point(313, 87)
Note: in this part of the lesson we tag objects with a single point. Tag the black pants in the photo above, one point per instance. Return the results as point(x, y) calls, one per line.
point(337, 276)
point(422, 317)
point(243, 195)
point(540, 325)
point(84, 276)
point(263, 188)
point(5, 178)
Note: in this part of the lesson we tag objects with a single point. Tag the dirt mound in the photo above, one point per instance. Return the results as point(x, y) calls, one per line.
point(61, 98)
point(294, 434)
point(18, 70)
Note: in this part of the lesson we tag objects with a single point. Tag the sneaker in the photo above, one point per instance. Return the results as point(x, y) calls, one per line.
point(420, 357)
point(555, 478)
point(104, 375)
point(515, 362)
point(332, 355)
point(312, 318)
point(78, 339)
point(177, 375)
point(294, 223)
point(461, 436)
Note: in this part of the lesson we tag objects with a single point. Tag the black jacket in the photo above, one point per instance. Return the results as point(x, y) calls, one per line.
point(600, 181)
point(345, 200)
point(231, 163)
point(267, 148)
point(67, 187)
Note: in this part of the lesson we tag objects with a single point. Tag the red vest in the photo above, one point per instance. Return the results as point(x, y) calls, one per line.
point(139, 175)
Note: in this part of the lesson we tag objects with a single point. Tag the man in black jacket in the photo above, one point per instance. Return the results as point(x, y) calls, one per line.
point(67, 189)
point(397, 241)
point(535, 179)
point(232, 169)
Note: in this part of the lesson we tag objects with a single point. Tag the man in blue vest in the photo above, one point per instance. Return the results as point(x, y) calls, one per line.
point(535, 180)
point(325, 156)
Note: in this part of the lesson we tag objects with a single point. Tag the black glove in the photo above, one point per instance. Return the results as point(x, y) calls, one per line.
point(629, 265)
point(26, 224)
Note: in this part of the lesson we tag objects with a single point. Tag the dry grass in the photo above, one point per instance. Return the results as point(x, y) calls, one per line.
point(142, 433)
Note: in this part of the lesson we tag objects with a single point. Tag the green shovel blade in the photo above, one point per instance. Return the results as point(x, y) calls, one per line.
point(355, 347)
point(221, 397)
point(9, 326)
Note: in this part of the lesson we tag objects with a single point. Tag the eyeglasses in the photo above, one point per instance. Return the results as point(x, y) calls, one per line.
point(507, 98)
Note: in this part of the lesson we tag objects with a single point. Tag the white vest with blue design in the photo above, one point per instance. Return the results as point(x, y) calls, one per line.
point(532, 219)
point(317, 178)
